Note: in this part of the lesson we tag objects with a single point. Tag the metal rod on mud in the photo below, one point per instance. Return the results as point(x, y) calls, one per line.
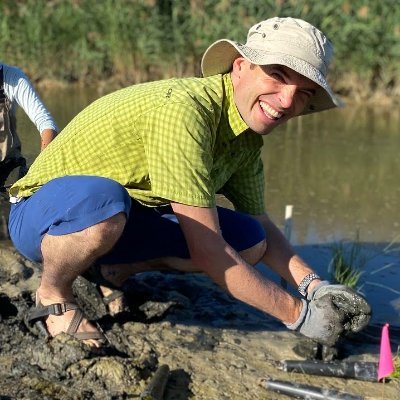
point(308, 392)
point(361, 370)
point(155, 389)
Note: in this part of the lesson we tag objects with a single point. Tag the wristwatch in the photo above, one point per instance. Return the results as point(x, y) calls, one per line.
point(302, 288)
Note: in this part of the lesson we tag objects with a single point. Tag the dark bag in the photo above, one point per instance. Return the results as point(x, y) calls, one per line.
point(10, 145)
point(6, 137)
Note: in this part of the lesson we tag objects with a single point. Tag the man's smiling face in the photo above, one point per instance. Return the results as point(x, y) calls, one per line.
point(268, 95)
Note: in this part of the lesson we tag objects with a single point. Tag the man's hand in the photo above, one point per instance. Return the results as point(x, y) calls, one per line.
point(357, 311)
point(330, 312)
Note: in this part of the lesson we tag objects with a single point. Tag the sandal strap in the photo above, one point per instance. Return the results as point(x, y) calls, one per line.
point(94, 275)
point(90, 335)
point(115, 294)
point(37, 314)
point(74, 325)
point(42, 311)
point(75, 322)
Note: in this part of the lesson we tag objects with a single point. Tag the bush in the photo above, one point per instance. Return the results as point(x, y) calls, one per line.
point(139, 40)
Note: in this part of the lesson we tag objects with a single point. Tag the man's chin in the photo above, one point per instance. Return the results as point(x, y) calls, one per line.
point(265, 131)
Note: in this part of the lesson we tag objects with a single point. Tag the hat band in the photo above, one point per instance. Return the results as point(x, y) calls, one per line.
point(283, 47)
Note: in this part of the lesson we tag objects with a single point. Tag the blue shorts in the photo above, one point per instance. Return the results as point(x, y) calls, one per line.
point(73, 203)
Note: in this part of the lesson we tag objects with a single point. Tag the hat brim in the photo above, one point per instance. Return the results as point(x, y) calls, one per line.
point(219, 57)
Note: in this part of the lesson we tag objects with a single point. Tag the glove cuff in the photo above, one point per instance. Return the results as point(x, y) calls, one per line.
point(315, 288)
point(295, 325)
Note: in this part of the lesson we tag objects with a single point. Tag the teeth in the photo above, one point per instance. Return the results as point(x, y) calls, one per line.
point(269, 111)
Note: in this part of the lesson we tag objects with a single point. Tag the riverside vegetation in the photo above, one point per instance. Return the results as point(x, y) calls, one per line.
point(128, 41)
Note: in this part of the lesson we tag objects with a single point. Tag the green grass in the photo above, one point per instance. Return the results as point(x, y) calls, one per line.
point(346, 265)
point(137, 40)
point(396, 361)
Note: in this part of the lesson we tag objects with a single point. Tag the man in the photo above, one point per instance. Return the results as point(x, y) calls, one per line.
point(130, 186)
point(16, 89)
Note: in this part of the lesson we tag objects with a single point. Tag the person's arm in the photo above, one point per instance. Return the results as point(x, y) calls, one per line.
point(46, 137)
point(329, 311)
point(20, 91)
point(281, 257)
point(212, 255)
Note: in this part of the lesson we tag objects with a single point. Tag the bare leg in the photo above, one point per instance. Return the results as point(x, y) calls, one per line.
point(67, 256)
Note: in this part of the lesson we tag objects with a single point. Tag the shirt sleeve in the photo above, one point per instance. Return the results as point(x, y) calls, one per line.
point(19, 90)
point(179, 140)
point(245, 188)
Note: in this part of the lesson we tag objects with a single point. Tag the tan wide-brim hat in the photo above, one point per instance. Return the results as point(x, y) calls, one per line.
point(291, 42)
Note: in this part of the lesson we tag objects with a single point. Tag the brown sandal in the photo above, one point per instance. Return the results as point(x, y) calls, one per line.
point(94, 275)
point(34, 320)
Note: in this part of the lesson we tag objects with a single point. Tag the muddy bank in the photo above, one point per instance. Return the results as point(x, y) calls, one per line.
point(215, 347)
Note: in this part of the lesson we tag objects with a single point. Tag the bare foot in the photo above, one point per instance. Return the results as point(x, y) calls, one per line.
point(117, 274)
point(57, 324)
point(115, 306)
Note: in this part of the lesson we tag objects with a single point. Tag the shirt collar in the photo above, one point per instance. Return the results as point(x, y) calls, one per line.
point(230, 110)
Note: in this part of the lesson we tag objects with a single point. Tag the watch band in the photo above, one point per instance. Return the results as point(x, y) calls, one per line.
point(302, 288)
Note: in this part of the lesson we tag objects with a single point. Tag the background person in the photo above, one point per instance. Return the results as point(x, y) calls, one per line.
point(131, 186)
point(16, 89)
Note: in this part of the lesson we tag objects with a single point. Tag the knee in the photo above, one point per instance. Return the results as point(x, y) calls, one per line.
point(105, 234)
point(250, 240)
point(254, 254)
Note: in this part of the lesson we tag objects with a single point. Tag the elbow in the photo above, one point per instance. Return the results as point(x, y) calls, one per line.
point(206, 255)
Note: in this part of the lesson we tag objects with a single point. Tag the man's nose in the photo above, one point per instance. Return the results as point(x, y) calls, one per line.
point(286, 95)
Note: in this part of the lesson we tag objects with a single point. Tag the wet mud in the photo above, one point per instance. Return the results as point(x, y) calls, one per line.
point(214, 346)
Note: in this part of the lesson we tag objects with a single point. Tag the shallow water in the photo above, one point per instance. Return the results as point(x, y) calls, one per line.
point(339, 169)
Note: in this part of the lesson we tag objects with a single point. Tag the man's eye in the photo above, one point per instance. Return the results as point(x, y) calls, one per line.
point(307, 93)
point(278, 76)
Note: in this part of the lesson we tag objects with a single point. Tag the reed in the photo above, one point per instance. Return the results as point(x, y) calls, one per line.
point(138, 40)
point(396, 361)
point(346, 265)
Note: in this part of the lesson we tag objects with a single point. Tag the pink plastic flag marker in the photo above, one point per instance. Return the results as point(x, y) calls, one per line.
point(385, 366)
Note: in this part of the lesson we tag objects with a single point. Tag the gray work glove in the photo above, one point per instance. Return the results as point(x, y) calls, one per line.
point(331, 311)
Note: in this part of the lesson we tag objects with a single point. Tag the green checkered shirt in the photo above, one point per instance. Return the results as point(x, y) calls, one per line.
point(176, 140)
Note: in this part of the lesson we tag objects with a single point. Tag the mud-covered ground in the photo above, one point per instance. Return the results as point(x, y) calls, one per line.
point(214, 346)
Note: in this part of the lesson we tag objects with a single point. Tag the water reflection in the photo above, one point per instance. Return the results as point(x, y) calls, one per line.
point(339, 169)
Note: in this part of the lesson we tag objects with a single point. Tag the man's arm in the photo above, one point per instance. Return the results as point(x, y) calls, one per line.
point(328, 312)
point(212, 255)
point(281, 257)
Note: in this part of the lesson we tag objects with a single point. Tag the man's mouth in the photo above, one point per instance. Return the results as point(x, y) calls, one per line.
point(269, 111)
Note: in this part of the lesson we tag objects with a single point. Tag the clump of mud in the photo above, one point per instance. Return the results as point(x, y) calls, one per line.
point(34, 367)
point(214, 346)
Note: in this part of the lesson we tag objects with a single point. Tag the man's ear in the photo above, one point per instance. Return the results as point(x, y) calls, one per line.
point(237, 68)
point(237, 65)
